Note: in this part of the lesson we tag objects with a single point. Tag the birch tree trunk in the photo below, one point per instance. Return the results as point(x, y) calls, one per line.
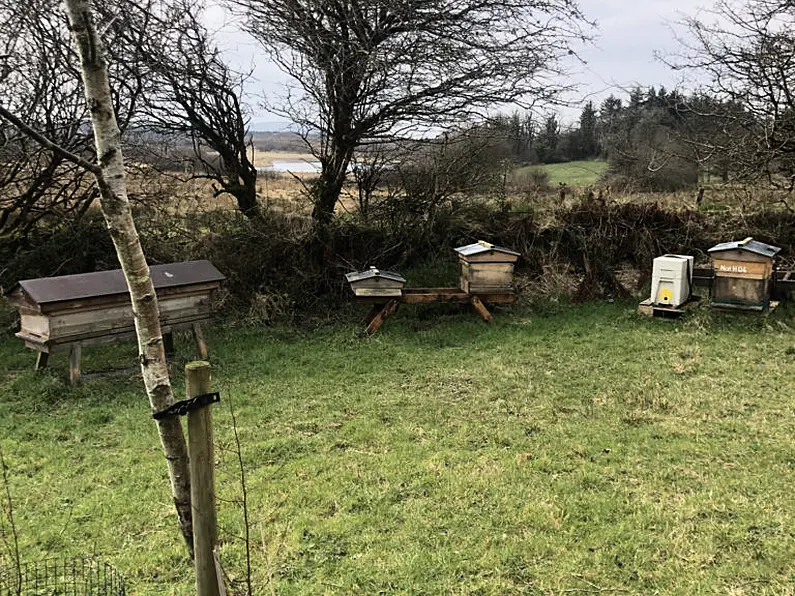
point(115, 205)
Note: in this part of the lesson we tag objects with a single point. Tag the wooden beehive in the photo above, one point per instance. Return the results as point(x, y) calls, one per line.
point(94, 308)
point(743, 274)
point(376, 283)
point(486, 269)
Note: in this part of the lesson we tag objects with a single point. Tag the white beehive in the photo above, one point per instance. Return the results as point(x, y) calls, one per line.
point(671, 280)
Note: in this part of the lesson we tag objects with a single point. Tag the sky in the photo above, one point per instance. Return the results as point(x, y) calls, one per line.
point(629, 34)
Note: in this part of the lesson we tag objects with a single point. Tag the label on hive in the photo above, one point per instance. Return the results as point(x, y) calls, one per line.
point(742, 269)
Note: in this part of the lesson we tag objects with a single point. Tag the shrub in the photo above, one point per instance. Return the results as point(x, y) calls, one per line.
point(57, 249)
point(531, 182)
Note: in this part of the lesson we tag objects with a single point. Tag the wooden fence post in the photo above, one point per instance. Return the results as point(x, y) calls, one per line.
point(202, 480)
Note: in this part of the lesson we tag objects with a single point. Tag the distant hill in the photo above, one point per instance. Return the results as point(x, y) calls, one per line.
point(261, 125)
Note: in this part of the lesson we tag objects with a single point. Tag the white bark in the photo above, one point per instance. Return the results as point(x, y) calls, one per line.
point(118, 216)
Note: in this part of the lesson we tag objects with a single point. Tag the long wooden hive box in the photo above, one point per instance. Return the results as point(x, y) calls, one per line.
point(743, 274)
point(485, 268)
point(95, 308)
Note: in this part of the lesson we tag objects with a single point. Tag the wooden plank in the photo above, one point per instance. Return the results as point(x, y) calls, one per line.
point(120, 317)
point(378, 320)
point(486, 290)
point(463, 279)
point(734, 290)
point(41, 360)
point(113, 335)
point(645, 308)
point(375, 283)
point(74, 364)
point(481, 309)
point(489, 257)
point(38, 325)
point(648, 309)
point(430, 295)
point(198, 337)
point(737, 307)
point(491, 270)
point(382, 292)
point(479, 278)
point(742, 269)
point(502, 297)
point(741, 255)
point(100, 302)
point(64, 344)
point(374, 310)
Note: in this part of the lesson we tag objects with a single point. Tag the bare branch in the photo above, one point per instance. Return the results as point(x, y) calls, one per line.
point(45, 142)
point(364, 69)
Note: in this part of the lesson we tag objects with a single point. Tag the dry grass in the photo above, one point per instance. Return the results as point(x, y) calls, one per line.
point(287, 192)
point(263, 159)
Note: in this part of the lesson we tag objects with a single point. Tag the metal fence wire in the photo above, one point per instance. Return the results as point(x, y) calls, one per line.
point(62, 577)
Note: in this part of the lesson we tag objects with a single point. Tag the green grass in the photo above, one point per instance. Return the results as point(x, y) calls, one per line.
point(560, 450)
point(574, 173)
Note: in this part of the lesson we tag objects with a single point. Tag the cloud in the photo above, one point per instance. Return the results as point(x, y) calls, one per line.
point(630, 34)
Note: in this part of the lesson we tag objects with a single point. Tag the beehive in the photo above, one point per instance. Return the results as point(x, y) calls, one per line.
point(743, 274)
point(486, 269)
point(94, 308)
point(671, 280)
point(376, 283)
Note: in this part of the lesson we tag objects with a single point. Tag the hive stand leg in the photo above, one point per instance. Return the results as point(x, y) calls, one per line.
point(481, 309)
point(373, 313)
point(198, 336)
point(41, 360)
point(74, 364)
point(168, 345)
point(378, 320)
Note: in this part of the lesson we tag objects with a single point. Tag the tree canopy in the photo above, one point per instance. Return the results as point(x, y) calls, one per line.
point(370, 70)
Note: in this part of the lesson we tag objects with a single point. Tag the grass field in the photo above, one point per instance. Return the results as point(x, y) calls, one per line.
point(574, 173)
point(563, 449)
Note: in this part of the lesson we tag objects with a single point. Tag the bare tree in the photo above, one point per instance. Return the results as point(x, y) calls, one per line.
point(747, 49)
point(109, 175)
point(191, 93)
point(369, 70)
point(38, 80)
point(168, 80)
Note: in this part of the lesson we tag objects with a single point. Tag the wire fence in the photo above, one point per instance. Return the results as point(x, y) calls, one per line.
point(62, 577)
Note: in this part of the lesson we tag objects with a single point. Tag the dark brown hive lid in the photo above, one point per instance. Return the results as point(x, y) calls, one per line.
point(108, 283)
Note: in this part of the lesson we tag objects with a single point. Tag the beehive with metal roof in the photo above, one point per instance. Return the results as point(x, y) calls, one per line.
point(58, 313)
point(486, 268)
point(743, 274)
point(376, 283)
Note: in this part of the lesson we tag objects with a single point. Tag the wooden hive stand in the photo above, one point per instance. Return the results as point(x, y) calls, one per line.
point(70, 312)
point(486, 278)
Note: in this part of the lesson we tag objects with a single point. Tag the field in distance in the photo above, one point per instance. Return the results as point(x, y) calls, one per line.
point(574, 173)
